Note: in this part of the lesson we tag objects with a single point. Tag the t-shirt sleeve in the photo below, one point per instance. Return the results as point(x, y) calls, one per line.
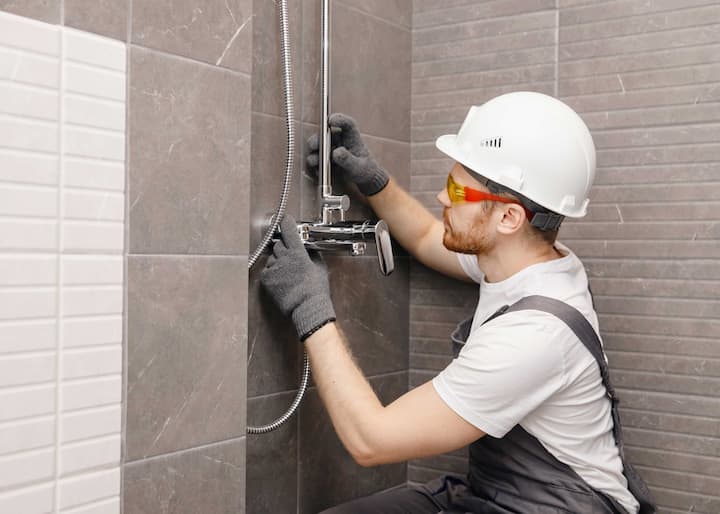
point(469, 264)
point(505, 371)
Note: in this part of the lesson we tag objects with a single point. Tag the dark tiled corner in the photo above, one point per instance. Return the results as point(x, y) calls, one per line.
point(189, 157)
point(329, 474)
point(269, 149)
point(42, 10)
point(105, 17)
point(207, 480)
point(187, 339)
point(218, 33)
point(266, 67)
point(272, 465)
point(375, 81)
point(372, 311)
point(273, 346)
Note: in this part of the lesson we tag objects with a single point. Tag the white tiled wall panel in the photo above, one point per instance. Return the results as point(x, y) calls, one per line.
point(62, 210)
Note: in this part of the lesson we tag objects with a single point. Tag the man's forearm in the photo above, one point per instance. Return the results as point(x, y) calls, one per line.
point(351, 402)
point(407, 218)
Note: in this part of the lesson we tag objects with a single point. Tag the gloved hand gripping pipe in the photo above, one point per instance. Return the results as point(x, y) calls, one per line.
point(280, 213)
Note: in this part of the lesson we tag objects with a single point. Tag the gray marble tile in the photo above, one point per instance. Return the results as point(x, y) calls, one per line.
point(272, 460)
point(372, 311)
point(329, 476)
point(274, 349)
point(218, 33)
point(104, 17)
point(370, 71)
point(267, 71)
point(189, 157)
point(43, 10)
point(187, 342)
point(398, 12)
point(207, 480)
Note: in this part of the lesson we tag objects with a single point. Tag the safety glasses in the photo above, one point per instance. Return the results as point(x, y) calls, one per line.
point(459, 194)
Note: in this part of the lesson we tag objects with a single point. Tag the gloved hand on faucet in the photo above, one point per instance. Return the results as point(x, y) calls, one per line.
point(350, 153)
point(298, 284)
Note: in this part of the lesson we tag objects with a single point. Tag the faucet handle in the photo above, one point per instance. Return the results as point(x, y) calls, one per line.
point(384, 248)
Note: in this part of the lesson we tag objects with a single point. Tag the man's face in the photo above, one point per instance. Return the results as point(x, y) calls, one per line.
point(467, 224)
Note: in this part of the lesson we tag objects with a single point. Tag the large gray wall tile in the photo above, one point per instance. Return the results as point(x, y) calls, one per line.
point(218, 33)
point(207, 480)
point(368, 82)
point(329, 474)
point(272, 459)
point(189, 156)
point(187, 326)
point(104, 17)
point(43, 10)
point(398, 12)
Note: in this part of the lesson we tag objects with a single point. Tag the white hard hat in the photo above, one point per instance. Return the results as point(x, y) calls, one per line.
point(532, 144)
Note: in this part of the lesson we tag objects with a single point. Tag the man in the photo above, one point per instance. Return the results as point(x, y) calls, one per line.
point(524, 391)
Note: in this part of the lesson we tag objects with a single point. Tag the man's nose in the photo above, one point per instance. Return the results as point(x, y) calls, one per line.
point(443, 198)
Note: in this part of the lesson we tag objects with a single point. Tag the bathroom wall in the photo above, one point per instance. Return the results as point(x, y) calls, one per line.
point(644, 76)
point(188, 153)
point(62, 178)
point(302, 467)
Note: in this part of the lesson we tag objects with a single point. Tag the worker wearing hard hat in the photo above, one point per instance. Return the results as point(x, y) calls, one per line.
point(528, 389)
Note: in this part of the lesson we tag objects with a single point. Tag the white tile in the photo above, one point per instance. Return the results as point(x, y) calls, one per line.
point(95, 112)
point(26, 402)
point(84, 332)
point(30, 69)
point(27, 435)
point(27, 467)
point(90, 269)
point(91, 423)
point(17, 370)
point(41, 136)
point(28, 303)
point(22, 100)
point(88, 455)
point(37, 499)
point(93, 205)
point(99, 82)
point(109, 506)
point(91, 393)
point(31, 168)
point(87, 488)
point(28, 270)
point(91, 362)
point(106, 237)
point(17, 200)
point(96, 50)
point(21, 32)
point(96, 143)
point(28, 235)
point(94, 174)
point(28, 336)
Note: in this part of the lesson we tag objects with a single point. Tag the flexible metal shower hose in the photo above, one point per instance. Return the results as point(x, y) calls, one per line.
point(280, 213)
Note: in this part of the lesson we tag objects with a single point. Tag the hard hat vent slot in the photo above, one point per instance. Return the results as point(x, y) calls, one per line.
point(493, 143)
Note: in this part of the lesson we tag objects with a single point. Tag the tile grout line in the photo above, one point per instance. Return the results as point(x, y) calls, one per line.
point(59, 309)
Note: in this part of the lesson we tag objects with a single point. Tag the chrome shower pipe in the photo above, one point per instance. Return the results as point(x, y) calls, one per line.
point(328, 202)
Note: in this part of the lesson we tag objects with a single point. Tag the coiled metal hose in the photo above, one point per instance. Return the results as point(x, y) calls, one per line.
point(280, 213)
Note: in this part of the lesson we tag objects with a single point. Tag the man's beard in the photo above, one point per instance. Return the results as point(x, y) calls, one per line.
point(473, 242)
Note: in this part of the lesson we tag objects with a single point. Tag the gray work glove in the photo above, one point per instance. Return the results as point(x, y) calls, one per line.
point(351, 154)
point(298, 284)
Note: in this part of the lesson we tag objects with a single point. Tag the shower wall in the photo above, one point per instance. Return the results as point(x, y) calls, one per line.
point(644, 76)
point(302, 467)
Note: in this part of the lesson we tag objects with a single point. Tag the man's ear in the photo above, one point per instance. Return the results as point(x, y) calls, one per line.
point(512, 219)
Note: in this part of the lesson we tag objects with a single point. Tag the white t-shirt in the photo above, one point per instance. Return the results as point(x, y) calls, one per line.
point(529, 368)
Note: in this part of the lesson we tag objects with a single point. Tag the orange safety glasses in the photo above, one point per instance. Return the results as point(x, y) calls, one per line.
point(458, 194)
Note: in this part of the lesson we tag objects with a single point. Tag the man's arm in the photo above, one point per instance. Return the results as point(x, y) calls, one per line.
point(418, 424)
point(416, 229)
